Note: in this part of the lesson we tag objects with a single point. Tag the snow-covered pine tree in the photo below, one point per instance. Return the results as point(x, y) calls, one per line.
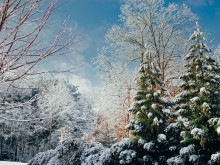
point(198, 103)
point(147, 109)
point(149, 121)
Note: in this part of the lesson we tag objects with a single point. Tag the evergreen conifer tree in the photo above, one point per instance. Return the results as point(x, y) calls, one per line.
point(149, 118)
point(199, 106)
point(147, 108)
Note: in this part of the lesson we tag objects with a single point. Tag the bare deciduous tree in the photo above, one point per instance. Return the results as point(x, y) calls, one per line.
point(22, 23)
point(149, 26)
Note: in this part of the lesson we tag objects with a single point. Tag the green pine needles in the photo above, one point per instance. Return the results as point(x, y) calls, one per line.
point(148, 119)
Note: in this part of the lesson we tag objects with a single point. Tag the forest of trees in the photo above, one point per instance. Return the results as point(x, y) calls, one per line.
point(158, 102)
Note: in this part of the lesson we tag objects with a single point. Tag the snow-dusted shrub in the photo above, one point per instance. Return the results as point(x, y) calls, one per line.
point(161, 138)
point(70, 152)
point(127, 156)
point(149, 146)
point(194, 159)
point(175, 161)
point(187, 151)
point(92, 154)
point(215, 159)
point(43, 157)
point(78, 152)
point(197, 132)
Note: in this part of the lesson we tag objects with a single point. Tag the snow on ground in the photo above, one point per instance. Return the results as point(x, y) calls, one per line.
point(12, 163)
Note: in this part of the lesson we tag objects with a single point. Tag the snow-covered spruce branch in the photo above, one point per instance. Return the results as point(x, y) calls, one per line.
point(214, 121)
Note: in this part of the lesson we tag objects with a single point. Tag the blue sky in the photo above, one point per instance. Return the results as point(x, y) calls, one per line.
point(92, 19)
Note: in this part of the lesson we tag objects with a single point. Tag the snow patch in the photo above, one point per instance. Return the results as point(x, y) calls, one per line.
point(161, 138)
point(197, 132)
point(149, 146)
point(187, 151)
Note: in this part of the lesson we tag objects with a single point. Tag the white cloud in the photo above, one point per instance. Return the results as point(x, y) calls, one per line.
point(84, 85)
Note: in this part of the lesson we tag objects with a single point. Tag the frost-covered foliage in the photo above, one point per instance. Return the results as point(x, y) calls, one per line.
point(126, 152)
point(215, 159)
point(175, 161)
point(147, 25)
point(198, 104)
point(217, 54)
point(72, 152)
point(77, 152)
point(51, 111)
point(65, 107)
point(113, 97)
point(187, 155)
point(61, 155)
point(126, 44)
